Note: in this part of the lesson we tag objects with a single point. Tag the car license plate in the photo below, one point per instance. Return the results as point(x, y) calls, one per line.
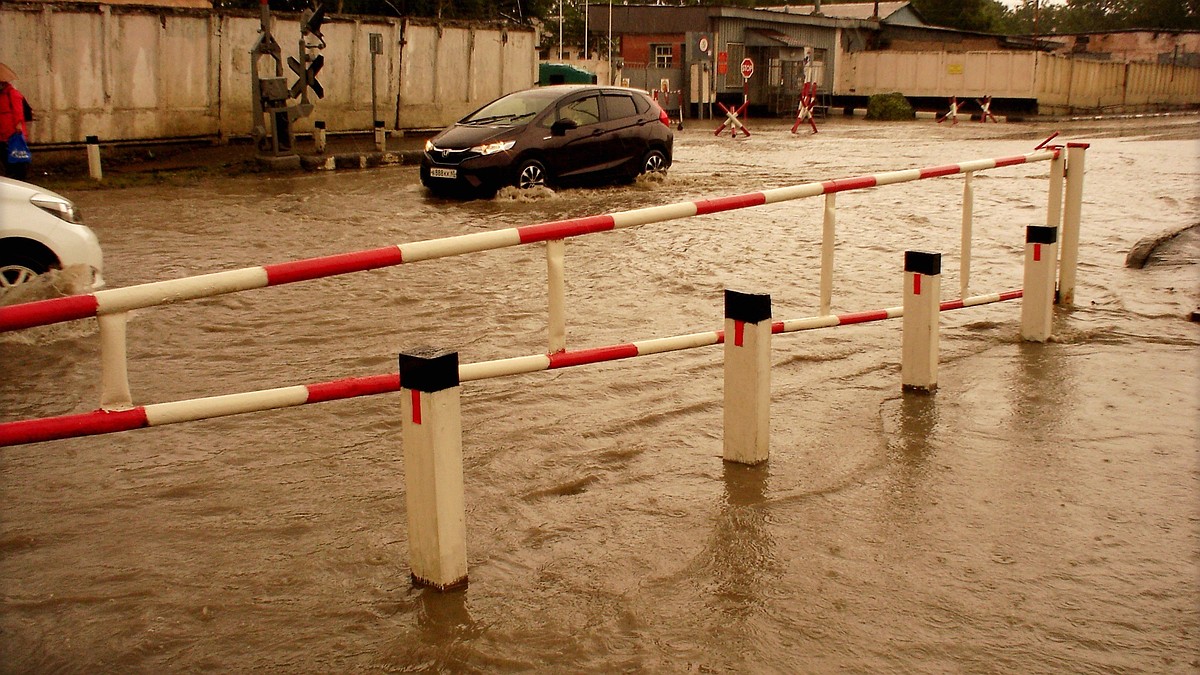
point(443, 173)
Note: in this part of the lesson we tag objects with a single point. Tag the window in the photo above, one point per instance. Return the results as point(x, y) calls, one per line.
point(662, 55)
point(619, 106)
point(583, 111)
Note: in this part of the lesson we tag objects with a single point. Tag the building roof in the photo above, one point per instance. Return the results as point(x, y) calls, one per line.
point(858, 10)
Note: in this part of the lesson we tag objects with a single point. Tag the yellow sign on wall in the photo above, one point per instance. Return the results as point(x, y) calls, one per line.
point(954, 69)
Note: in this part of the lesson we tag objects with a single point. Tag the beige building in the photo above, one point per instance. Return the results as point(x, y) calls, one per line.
point(1165, 48)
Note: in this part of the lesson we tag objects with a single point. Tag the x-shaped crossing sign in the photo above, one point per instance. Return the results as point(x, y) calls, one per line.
point(308, 76)
point(731, 120)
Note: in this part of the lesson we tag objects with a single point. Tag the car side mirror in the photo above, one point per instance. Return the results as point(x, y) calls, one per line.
point(560, 127)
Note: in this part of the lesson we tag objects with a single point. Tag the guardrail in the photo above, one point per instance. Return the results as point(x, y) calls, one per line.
point(103, 421)
point(111, 306)
point(433, 453)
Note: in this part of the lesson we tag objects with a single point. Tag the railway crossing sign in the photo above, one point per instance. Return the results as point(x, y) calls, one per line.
point(747, 68)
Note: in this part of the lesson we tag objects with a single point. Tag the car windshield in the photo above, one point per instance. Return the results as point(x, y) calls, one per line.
point(514, 108)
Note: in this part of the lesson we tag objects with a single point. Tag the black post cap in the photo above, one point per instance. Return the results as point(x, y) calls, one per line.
point(1041, 234)
point(428, 369)
point(748, 307)
point(320, 124)
point(93, 140)
point(923, 262)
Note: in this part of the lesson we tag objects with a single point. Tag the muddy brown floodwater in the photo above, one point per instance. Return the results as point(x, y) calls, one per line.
point(1039, 514)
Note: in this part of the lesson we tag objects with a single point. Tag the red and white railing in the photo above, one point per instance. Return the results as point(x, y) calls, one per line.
point(111, 306)
point(190, 410)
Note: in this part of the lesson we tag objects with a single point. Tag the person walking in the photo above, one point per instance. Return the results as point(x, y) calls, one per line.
point(15, 114)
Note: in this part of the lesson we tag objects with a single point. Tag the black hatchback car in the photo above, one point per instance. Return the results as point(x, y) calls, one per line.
point(550, 136)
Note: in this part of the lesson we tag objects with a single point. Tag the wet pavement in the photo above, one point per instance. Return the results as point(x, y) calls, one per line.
point(1039, 513)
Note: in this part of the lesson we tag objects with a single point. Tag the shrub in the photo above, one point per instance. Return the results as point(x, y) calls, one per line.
point(891, 106)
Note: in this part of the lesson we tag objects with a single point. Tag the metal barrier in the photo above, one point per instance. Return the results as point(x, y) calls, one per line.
point(433, 453)
point(103, 421)
point(111, 306)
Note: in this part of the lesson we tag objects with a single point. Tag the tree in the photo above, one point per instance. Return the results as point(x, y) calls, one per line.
point(983, 16)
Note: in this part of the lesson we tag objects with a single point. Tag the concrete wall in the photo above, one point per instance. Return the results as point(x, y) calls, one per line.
point(139, 73)
point(1181, 48)
point(1059, 84)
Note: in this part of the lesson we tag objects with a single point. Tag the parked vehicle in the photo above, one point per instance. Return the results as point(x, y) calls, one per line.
point(550, 136)
point(41, 231)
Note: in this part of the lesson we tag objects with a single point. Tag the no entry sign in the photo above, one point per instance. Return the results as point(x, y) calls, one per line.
point(747, 68)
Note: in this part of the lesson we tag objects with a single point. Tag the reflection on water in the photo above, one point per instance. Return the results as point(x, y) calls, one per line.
point(740, 553)
point(1028, 517)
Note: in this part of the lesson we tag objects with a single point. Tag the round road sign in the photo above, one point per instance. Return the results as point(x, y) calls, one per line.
point(747, 68)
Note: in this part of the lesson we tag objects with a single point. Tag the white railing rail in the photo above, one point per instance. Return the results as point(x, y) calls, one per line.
point(111, 306)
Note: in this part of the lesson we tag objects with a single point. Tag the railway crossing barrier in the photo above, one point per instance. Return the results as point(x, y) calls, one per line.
point(429, 382)
point(985, 105)
point(731, 120)
point(804, 110)
point(952, 114)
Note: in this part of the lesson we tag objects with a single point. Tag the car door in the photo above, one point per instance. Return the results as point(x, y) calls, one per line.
point(626, 123)
point(585, 145)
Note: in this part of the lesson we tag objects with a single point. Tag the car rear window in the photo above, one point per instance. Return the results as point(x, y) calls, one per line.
point(620, 106)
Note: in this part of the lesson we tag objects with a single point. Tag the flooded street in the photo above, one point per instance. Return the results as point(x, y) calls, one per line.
point(1039, 514)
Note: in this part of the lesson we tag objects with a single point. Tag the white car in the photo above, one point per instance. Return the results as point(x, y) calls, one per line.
point(41, 231)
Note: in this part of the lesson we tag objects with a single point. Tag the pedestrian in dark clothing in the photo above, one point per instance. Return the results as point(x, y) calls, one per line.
point(15, 115)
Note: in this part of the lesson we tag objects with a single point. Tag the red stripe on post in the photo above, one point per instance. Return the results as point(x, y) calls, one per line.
point(739, 332)
point(594, 355)
point(916, 284)
point(862, 317)
point(416, 406)
point(849, 184)
point(1037, 253)
point(936, 171)
point(43, 312)
point(351, 387)
point(718, 204)
point(561, 229)
point(70, 426)
point(328, 266)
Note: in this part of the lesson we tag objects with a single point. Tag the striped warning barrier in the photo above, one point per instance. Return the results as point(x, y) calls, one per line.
point(110, 301)
point(160, 414)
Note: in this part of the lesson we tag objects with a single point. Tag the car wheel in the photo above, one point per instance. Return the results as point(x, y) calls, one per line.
point(531, 174)
point(14, 271)
point(654, 162)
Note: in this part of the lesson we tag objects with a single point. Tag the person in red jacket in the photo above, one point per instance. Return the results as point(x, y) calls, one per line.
point(15, 114)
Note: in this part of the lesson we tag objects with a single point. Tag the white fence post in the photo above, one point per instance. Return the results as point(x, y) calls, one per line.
point(968, 220)
point(747, 377)
point(827, 245)
point(1055, 197)
point(114, 362)
point(556, 294)
point(1072, 214)
point(93, 154)
point(319, 136)
point(380, 136)
point(433, 468)
point(922, 309)
point(1037, 303)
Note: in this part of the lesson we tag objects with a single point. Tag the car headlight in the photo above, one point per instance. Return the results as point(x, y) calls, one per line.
point(493, 148)
point(429, 145)
point(58, 207)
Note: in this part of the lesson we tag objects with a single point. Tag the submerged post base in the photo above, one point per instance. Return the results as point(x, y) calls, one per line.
point(455, 585)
